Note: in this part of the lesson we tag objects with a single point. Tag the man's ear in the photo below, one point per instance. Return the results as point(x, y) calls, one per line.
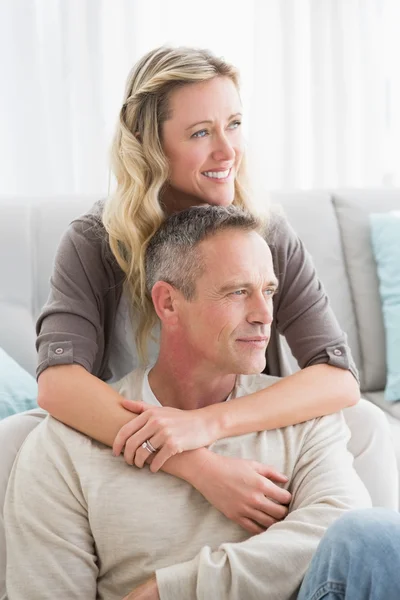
point(164, 295)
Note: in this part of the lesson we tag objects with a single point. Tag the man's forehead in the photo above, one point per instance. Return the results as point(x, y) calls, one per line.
point(238, 255)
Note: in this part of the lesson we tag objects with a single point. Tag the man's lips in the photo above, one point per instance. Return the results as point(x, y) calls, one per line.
point(256, 341)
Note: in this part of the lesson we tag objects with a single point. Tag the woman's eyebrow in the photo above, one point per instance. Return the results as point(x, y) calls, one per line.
point(238, 114)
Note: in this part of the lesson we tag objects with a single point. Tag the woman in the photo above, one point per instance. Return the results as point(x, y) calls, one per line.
point(179, 143)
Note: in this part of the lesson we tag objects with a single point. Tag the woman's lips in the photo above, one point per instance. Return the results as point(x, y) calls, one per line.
point(215, 179)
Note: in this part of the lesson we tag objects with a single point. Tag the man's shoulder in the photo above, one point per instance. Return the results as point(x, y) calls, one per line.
point(247, 384)
point(130, 386)
point(50, 438)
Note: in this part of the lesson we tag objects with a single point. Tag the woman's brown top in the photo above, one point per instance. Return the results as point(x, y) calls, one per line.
point(77, 322)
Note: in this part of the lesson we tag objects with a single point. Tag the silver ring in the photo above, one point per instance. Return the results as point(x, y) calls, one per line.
point(149, 447)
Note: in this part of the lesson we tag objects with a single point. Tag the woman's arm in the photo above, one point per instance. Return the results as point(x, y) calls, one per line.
point(240, 489)
point(312, 392)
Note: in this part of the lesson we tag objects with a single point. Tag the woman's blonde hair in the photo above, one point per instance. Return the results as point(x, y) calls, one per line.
point(133, 213)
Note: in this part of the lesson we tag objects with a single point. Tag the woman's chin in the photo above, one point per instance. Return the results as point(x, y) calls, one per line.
point(221, 200)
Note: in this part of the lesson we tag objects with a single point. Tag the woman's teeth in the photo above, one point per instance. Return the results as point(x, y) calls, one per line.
point(217, 174)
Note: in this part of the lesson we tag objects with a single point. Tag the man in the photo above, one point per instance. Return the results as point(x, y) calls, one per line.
point(81, 523)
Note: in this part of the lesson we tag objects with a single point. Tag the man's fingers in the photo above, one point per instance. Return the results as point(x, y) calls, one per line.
point(250, 526)
point(274, 510)
point(276, 493)
point(261, 519)
point(273, 474)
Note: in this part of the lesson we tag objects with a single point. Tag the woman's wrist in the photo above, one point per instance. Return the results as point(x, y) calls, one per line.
point(190, 466)
point(217, 420)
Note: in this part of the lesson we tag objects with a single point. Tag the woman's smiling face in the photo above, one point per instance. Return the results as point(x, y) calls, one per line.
point(203, 140)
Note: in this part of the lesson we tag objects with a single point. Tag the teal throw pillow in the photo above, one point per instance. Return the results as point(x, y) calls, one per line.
point(18, 389)
point(385, 235)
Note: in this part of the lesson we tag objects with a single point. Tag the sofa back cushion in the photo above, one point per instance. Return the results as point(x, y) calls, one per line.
point(353, 209)
point(30, 230)
point(312, 215)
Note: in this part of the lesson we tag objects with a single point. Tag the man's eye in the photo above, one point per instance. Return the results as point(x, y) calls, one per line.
point(270, 292)
point(200, 134)
point(239, 293)
point(235, 124)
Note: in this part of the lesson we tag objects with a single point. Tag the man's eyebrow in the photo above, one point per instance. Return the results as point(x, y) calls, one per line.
point(238, 114)
point(237, 285)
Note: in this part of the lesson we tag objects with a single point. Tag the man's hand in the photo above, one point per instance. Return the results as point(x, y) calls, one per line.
point(244, 491)
point(146, 591)
point(169, 430)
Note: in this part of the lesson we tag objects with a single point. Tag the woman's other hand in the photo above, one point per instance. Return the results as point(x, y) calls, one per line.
point(169, 430)
point(245, 491)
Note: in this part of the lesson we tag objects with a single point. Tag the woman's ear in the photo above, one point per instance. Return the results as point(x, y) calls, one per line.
point(163, 295)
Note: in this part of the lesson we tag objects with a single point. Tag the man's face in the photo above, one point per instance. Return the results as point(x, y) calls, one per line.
point(227, 325)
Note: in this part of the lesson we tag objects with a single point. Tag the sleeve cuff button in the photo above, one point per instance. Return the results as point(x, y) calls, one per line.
point(59, 351)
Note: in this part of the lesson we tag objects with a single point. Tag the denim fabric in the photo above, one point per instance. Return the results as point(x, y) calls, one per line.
point(357, 559)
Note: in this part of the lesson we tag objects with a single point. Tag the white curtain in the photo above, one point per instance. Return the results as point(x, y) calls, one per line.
point(320, 86)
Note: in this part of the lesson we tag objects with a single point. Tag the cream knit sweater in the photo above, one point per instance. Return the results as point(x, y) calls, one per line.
point(82, 524)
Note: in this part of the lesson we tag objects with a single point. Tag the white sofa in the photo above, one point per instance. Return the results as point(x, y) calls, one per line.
point(333, 225)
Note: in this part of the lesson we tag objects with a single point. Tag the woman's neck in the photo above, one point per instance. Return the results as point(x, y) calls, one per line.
point(173, 200)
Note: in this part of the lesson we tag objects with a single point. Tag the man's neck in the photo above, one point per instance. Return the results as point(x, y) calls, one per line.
point(187, 384)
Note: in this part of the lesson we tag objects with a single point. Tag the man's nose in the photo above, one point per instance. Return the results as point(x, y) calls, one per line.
point(261, 310)
point(223, 149)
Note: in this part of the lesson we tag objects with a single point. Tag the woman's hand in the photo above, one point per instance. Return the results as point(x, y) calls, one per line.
point(244, 491)
point(169, 430)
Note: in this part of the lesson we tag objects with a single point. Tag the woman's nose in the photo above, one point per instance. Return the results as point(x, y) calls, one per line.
point(223, 149)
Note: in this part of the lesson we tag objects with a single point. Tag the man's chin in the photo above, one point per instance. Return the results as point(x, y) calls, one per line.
point(251, 367)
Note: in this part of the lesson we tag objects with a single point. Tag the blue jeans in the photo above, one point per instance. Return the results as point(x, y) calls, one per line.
point(357, 559)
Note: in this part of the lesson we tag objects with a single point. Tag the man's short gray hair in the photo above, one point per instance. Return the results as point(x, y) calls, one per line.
point(173, 255)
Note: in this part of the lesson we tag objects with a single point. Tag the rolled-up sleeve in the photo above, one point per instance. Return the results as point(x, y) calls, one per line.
point(303, 313)
point(71, 326)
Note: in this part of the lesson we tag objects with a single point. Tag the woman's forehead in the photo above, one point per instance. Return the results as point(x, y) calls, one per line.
point(204, 101)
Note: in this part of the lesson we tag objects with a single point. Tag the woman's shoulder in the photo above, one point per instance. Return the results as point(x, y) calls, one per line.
point(88, 238)
point(284, 243)
point(89, 224)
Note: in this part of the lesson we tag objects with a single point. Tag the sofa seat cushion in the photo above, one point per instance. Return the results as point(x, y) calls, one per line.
point(378, 398)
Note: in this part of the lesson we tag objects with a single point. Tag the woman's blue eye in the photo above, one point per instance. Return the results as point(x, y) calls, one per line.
point(200, 134)
point(204, 132)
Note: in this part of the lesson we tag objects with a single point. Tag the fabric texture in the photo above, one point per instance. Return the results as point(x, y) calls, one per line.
point(370, 444)
point(18, 389)
point(385, 234)
point(142, 522)
point(87, 285)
